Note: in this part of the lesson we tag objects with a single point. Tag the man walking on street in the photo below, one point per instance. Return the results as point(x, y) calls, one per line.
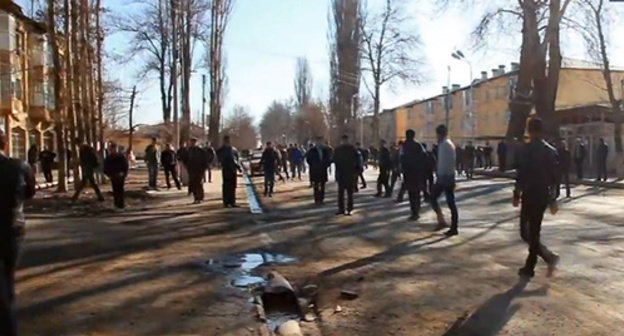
point(501, 150)
point(88, 164)
point(318, 159)
point(413, 163)
point(168, 159)
point(210, 158)
point(47, 161)
point(346, 160)
point(603, 155)
point(269, 163)
point(228, 156)
point(116, 168)
point(197, 171)
point(446, 181)
point(384, 170)
point(360, 150)
point(579, 157)
point(565, 162)
point(17, 184)
point(536, 185)
point(152, 159)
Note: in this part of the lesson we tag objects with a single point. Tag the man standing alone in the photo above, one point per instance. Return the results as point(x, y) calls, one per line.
point(196, 166)
point(446, 181)
point(384, 163)
point(536, 185)
point(228, 156)
point(17, 184)
point(116, 168)
point(152, 159)
point(318, 159)
point(579, 158)
point(603, 155)
point(346, 160)
point(413, 163)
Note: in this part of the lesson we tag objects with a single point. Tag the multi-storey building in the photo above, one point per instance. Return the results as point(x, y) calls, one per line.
point(480, 112)
point(26, 98)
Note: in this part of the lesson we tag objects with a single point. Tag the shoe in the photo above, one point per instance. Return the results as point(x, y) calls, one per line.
point(270, 195)
point(348, 213)
point(364, 186)
point(235, 205)
point(451, 233)
point(399, 200)
point(226, 205)
point(378, 195)
point(526, 273)
point(413, 218)
point(552, 267)
point(340, 213)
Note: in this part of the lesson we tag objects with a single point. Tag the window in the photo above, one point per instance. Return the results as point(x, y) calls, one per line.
point(467, 95)
point(430, 107)
point(18, 41)
point(18, 89)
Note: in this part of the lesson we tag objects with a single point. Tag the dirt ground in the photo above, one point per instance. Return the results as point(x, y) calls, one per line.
point(87, 270)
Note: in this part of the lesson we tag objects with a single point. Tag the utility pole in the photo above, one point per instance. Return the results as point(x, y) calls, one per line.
point(130, 122)
point(174, 72)
point(447, 100)
point(203, 113)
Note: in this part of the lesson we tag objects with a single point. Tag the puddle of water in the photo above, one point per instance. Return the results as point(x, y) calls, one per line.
point(244, 281)
point(241, 267)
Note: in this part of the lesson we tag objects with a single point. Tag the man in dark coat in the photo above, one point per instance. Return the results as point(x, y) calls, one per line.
point(579, 158)
point(196, 166)
point(182, 156)
point(168, 159)
point(116, 168)
point(536, 185)
point(88, 164)
point(603, 155)
point(469, 160)
point(17, 184)
point(374, 155)
point(347, 163)
point(565, 162)
point(33, 157)
point(210, 158)
point(364, 157)
point(228, 157)
point(501, 150)
point(413, 163)
point(384, 163)
point(487, 155)
point(269, 163)
point(318, 158)
point(46, 157)
point(152, 158)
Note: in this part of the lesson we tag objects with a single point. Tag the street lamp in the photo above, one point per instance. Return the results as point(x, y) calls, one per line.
point(458, 55)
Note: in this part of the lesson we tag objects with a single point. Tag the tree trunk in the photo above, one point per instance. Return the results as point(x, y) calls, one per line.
point(72, 111)
point(554, 68)
point(174, 71)
point(376, 107)
point(187, 60)
point(100, 90)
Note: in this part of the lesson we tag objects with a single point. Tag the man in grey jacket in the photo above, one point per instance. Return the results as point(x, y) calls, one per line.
point(446, 180)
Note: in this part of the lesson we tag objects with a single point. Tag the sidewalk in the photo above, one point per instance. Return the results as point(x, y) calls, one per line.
point(616, 184)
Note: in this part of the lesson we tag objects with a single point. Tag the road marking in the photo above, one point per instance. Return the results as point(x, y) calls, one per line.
point(254, 205)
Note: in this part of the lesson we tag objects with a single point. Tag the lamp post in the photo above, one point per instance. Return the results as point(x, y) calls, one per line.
point(458, 55)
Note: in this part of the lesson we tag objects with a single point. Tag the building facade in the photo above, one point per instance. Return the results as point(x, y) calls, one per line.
point(26, 97)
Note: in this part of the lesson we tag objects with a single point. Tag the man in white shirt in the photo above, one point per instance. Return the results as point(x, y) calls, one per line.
point(446, 180)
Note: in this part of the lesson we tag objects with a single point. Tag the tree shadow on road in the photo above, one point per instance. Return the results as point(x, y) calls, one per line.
point(492, 316)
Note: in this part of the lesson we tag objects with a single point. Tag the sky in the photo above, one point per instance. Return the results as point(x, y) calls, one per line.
point(265, 37)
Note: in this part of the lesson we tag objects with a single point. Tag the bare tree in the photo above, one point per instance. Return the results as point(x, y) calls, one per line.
point(593, 28)
point(220, 12)
point(240, 127)
point(150, 39)
point(345, 74)
point(114, 107)
point(389, 50)
point(276, 123)
point(303, 82)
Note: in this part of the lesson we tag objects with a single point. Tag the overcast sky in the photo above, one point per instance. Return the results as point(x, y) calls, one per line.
point(265, 37)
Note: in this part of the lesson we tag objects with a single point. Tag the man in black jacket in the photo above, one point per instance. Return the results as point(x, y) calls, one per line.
point(347, 162)
point(228, 157)
point(169, 161)
point(33, 157)
point(469, 160)
point(603, 155)
point(536, 185)
point(487, 155)
point(116, 168)
point(196, 166)
point(210, 158)
point(364, 157)
point(88, 164)
point(413, 164)
point(17, 184)
point(501, 150)
point(47, 161)
point(579, 157)
point(318, 158)
point(565, 161)
point(182, 156)
point(269, 163)
point(385, 165)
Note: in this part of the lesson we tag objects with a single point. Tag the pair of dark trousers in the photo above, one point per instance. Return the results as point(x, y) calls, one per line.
point(88, 178)
point(488, 161)
point(8, 263)
point(469, 166)
point(446, 185)
point(117, 183)
point(152, 172)
point(319, 192)
point(502, 163)
point(47, 173)
point(414, 198)
point(383, 181)
point(394, 176)
point(171, 170)
point(269, 182)
point(579, 170)
point(229, 188)
point(402, 191)
point(196, 185)
point(342, 189)
point(602, 170)
point(564, 179)
point(531, 216)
